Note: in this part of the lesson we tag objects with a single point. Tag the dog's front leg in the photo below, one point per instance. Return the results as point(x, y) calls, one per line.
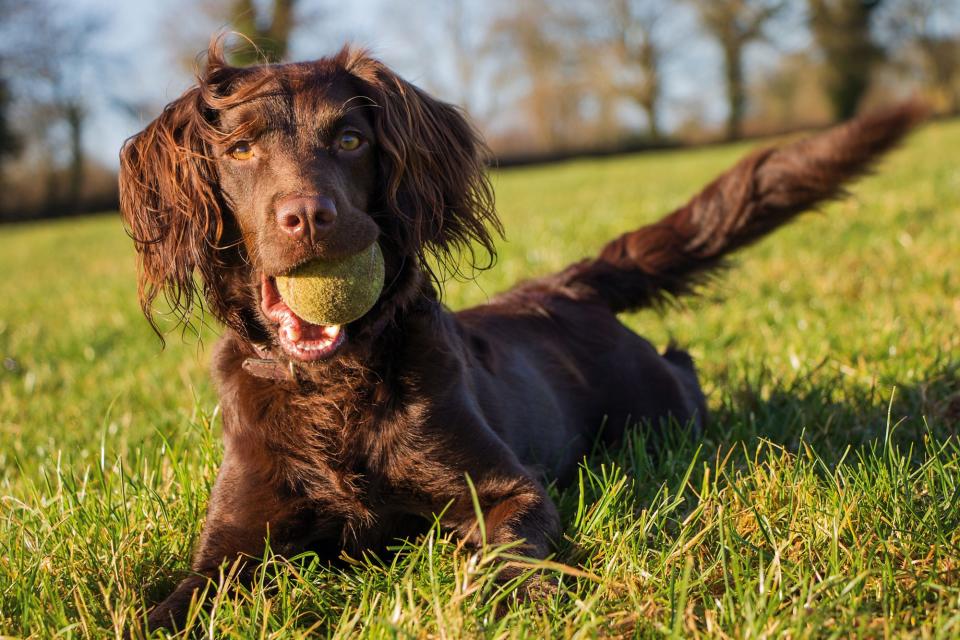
point(514, 506)
point(515, 509)
point(245, 509)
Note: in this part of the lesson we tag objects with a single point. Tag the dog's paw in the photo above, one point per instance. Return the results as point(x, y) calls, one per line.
point(538, 588)
point(535, 591)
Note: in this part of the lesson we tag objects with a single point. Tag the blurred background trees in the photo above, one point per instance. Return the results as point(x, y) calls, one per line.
point(9, 144)
point(923, 43)
point(48, 59)
point(541, 78)
point(735, 24)
point(841, 30)
point(267, 33)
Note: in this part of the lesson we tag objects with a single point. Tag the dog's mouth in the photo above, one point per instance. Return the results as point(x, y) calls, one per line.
point(299, 339)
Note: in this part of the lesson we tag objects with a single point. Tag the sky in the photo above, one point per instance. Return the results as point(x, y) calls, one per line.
point(137, 34)
point(145, 72)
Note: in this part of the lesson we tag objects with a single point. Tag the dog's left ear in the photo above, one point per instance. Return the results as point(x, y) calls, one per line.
point(433, 167)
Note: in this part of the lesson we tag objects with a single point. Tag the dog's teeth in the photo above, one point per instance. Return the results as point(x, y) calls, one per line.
point(331, 331)
point(315, 346)
point(292, 331)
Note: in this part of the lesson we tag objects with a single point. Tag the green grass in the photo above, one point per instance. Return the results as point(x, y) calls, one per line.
point(823, 501)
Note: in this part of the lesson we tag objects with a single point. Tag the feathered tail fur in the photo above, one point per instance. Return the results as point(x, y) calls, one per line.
point(762, 192)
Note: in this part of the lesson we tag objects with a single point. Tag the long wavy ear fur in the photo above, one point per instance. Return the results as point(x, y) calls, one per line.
point(433, 169)
point(170, 202)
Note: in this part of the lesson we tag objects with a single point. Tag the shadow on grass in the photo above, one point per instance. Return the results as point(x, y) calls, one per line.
point(828, 412)
point(831, 412)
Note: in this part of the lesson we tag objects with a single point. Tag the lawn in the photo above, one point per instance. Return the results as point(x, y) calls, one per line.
point(823, 500)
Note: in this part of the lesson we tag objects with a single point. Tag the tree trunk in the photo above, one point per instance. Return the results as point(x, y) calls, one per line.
point(842, 31)
point(270, 41)
point(281, 25)
point(736, 95)
point(650, 63)
point(8, 140)
point(75, 116)
point(653, 124)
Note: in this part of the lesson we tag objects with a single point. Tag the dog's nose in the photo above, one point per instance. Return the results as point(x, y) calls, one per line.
point(306, 217)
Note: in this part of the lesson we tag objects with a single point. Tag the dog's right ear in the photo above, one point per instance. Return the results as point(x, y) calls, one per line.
point(170, 203)
point(433, 168)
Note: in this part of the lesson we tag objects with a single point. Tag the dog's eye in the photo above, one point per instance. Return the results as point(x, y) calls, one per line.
point(348, 141)
point(241, 151)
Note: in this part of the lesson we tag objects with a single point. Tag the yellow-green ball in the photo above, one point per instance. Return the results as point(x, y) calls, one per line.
point(330, 292)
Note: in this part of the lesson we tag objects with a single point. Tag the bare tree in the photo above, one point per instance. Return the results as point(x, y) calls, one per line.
point(841, 29)
point(257, 31)
point(458, 30)
point(459, 26)
point(54, 53)
point(923, 27)
point(268, 31)
point(636, 27)
point(9, 143)
point(735, 24)
point(537, 43)
point(69, 97)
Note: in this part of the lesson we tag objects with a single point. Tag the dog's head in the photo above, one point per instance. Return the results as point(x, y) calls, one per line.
point(257, 170)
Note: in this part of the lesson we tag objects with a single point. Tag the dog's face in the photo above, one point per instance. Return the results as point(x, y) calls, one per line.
point(298, 171)
point(300, 176)
point(256, 171)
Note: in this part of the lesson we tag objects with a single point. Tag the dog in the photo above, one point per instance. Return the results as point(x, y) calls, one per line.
point(346, 437)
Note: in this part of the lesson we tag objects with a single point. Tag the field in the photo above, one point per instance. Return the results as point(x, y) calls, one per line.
point(823, 501)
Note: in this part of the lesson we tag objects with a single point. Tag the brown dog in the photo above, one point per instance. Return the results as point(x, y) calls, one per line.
point(349, 436)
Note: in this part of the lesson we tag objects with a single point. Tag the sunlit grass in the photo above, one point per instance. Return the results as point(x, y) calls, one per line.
point(823, 500)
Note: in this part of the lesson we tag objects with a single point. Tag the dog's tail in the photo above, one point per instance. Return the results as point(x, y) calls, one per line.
point(762, 192)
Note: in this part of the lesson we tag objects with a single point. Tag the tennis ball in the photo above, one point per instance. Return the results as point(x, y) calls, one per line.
point(334, 292)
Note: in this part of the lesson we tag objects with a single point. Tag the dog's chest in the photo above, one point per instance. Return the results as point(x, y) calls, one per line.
point(359, 506)
point(351, 462)
point(350, 452)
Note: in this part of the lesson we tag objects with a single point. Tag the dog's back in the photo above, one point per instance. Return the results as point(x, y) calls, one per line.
point(557, 338)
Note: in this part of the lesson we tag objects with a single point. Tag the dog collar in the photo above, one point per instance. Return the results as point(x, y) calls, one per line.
point(269, 368)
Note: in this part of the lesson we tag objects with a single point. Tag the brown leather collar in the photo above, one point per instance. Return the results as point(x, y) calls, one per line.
point(269, 368)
